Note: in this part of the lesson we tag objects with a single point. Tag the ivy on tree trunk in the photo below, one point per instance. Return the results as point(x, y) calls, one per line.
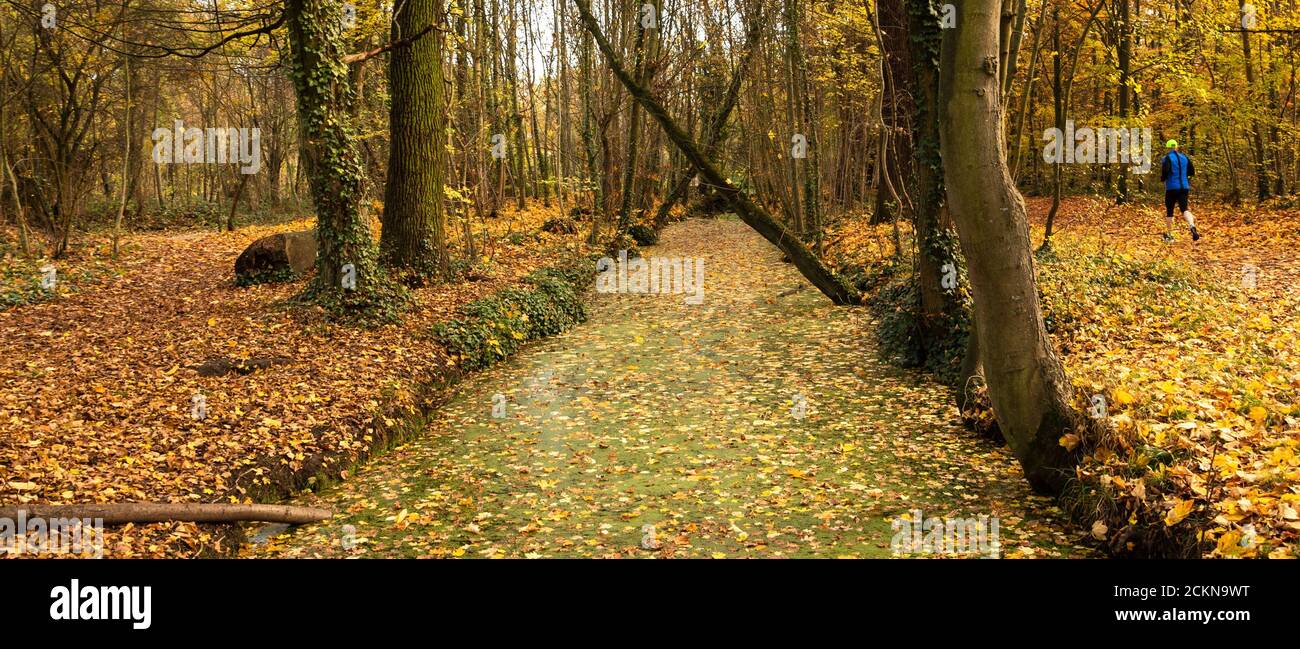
point(349, 281)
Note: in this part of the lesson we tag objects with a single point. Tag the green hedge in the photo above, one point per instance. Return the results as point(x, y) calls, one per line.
point(493, 328)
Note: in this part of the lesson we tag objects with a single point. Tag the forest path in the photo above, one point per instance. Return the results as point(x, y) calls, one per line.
point(683, 417)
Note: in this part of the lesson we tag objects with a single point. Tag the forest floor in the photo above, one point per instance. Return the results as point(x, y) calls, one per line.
point(97, 377)
point(1194, 347)
point(655, 412)
point(686, 418)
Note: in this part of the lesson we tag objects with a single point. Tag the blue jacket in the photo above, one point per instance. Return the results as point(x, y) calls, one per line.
point(1175, 170)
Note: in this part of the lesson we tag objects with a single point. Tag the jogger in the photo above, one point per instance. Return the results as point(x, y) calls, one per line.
point(1175, 171)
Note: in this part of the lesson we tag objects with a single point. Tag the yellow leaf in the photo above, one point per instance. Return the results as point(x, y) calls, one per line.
point(1179, 512)
point(1230, 543)
point(718, 555)
point(212, 322)
point(1122, 397)
point(1069, 441)
point(1258, 414)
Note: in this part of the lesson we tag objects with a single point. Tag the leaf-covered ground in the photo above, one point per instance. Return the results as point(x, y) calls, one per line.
point(657, 412)
point(1195, 347)
point(96, 383)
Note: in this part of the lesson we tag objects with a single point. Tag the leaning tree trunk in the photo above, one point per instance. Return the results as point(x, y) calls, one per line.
point(751, 213)
point(1026, 381)
point(330, 157)
point(414, 237)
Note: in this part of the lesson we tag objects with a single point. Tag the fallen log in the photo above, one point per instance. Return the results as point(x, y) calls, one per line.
point(122, 513)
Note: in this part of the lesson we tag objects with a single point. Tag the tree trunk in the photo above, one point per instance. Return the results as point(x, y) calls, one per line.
point(1026, 381)
point(1125, 57)
point(1058, 120)
point(414, 238)
point(812, 228)
point(896, 109)
point(1261, 162)
point(935, 245)
point(633, 127)
point(330, 157)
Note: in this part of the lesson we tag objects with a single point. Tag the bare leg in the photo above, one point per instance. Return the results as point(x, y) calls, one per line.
point(1191, 224)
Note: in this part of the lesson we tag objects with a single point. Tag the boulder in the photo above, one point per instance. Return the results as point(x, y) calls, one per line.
point(560, 226)
point(276, 257)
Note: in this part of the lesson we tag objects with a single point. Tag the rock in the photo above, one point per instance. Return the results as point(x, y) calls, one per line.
point(277, 257)
point(560, 226)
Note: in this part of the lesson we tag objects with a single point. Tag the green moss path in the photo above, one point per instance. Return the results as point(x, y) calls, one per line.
point(685, 418)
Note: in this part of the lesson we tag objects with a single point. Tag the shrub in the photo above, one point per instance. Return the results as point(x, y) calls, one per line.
point(895, 300)
point(494, 327)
